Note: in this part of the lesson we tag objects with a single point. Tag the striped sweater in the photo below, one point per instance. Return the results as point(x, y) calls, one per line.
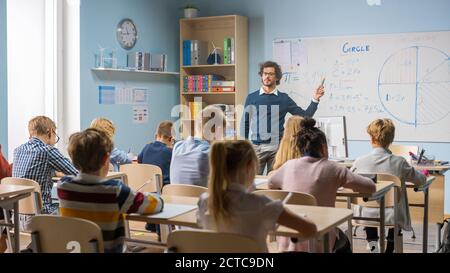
point(104, 202)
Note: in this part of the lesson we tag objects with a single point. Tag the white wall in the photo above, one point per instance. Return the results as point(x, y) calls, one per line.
point(43, 67)
point(26, 79)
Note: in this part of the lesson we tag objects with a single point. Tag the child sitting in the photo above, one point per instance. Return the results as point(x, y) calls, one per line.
point(230, 207)
point(381, 160)
point(117, 157)
point(313, 173)
point(90, 196)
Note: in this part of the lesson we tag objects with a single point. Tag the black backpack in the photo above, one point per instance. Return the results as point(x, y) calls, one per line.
point(444, 246)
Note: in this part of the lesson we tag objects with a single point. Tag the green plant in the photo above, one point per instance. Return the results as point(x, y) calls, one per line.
point(189, 6)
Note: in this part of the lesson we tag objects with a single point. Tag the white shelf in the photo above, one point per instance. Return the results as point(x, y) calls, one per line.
point(135, 71)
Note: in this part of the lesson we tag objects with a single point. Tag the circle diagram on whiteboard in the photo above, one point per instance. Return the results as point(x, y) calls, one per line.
point(414, 85)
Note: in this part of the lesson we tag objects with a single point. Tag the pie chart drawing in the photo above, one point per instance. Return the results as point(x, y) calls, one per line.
point(414, 85)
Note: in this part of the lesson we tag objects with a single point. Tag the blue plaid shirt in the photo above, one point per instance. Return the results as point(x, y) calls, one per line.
point(38, 161)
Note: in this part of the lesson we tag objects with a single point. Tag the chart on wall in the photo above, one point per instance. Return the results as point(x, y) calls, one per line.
point(404, 77)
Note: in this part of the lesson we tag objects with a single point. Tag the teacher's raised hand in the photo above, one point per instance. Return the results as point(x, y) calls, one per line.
point(319, 92)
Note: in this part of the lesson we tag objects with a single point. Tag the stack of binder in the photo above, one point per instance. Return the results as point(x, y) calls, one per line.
point(195, 52)
point(228, 51)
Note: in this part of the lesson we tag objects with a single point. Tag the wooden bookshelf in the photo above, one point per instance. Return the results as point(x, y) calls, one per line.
point(215, 30)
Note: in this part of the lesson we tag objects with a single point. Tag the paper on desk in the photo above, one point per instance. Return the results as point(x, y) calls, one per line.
point(172, 210)
point(259, 181)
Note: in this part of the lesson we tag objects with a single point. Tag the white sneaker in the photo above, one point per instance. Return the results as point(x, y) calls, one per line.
point(373, 247)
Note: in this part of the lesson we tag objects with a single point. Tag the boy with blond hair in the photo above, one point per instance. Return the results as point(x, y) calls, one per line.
point(117, 157)
point(381, 160)
point(38, 159)
point(93, 197)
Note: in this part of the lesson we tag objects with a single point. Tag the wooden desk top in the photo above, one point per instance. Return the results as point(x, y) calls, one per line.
point(326, 218)
point(441, 169)
point(423, 187)
point(11, 190)
point(382, 187)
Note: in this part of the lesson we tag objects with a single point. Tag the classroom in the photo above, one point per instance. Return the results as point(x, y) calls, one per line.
point(309, 126)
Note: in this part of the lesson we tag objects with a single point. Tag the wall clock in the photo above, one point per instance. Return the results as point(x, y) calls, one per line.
point(126, 33)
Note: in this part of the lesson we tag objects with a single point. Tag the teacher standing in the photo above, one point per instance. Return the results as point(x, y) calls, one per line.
point(265, 111)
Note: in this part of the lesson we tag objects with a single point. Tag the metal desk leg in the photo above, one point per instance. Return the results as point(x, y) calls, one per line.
point(326, 243)
point(382, 224)
point(16, 228)
point(438, 236)
point(349, 225)
point(398, 239)
point(8, 231)
point(425, 222)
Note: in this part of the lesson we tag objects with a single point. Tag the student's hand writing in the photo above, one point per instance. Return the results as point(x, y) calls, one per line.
point(320, 91)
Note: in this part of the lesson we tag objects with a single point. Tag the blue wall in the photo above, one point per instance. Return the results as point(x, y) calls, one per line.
point(158, 33)
point(311, 18)
point(3, 81)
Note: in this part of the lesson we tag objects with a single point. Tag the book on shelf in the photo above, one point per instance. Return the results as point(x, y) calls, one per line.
point(199, 83)
point(195, 107)
point(228, 50)
point(195, 52)
point(158, 62)
point(223, 83)
point(219, 89)
point(186, 52)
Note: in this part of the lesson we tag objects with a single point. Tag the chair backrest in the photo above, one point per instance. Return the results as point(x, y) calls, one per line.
point(59, 234)
point(207, 241)
point(143, 177)
point(183, 190)
point(31, 204)
point(389, 197)
point(296, 198)
point(403, 150)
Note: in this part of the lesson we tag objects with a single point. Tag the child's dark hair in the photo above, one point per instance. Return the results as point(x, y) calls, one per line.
point(310, 139)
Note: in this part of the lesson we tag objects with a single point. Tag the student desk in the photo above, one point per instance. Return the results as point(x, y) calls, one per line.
point(432, 199)
point(423, 188)
point(325, 218)
point(382, 187)
point(9, 199)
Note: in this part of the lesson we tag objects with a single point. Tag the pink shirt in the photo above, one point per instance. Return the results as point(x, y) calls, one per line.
point(320, 178)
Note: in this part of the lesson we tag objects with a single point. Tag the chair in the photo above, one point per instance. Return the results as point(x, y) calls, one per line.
point(143, 177)
point(391, 198)
point(207, 241)
point(31, 205)
point(290, 198)
point(296, 198)
point(180, 190)
point(184, 190)
point(74, 235)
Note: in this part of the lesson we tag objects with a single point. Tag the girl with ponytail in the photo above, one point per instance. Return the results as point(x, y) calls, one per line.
point(230, 207)
point(313, 173)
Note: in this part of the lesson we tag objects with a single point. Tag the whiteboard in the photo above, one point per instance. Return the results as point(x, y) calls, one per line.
point(404, 77)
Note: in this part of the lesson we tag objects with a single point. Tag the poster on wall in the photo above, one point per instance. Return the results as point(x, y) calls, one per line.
point(140, 114)
point(106, 94)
